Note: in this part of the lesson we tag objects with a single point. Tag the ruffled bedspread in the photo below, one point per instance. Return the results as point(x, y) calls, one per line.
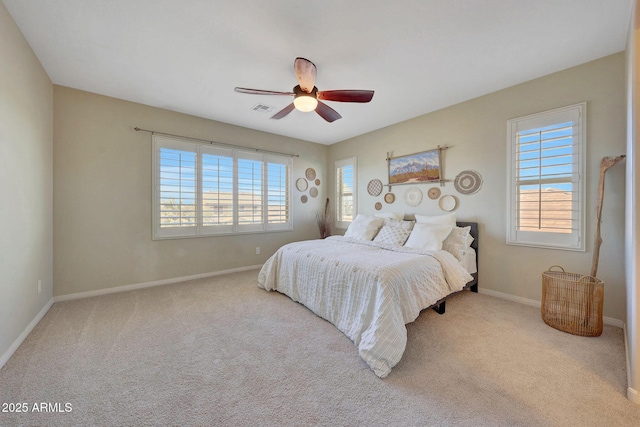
point(367, 290)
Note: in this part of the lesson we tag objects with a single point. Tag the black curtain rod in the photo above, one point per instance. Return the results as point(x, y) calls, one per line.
point(137, 129)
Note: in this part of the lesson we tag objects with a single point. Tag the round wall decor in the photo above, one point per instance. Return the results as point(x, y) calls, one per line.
point(389, 198)
point(313, 192)
point(310, 173)
point(468, 182)
point(433, 193)
point(317, 182)
point(374, 187)
point(301, 184)
point(413, 196)
point(378, 206)
point(304, 198)
point(448, 203)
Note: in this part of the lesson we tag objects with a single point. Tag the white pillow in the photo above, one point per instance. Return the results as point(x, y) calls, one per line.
point(428, 236)
point(395, 215)
point(364, 227)
point(447, 219)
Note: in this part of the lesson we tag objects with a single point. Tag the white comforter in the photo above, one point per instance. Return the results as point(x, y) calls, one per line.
point(368, 291)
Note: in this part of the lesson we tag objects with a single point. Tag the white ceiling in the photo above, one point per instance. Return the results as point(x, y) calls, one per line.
point(418, 55)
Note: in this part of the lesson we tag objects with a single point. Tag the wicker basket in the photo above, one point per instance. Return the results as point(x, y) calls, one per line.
point(572, 302)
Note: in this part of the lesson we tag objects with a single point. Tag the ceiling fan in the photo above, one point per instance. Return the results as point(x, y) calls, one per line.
point(307, 97)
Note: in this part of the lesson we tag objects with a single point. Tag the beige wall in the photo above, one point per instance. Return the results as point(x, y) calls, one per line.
point(476, 132)
point(26, 145)
point(102, 204)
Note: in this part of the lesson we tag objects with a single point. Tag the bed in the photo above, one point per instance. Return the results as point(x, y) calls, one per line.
point(367, 289)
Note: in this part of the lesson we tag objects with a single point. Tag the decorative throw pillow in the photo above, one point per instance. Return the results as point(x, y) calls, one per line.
point(428, 236)
point(407, 225)
point(458, 236)
point(393, 236)
point(456, 242)
point(469, 240)
point(395, 215)
point(447, 219)
point(364, 227)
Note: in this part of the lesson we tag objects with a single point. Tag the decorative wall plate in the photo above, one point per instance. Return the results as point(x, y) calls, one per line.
point(389, 198)
point(301, 184)
point(374, 187)
point(313, 192)
point(413, 196)
point(433, 193)
point(317, 182)
point(448, 203)
point(304, 198)
point(310, 173)
point(468, 182)
point(378, 206)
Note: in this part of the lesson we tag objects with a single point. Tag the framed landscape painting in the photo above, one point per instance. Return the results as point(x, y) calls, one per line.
point(415, 168)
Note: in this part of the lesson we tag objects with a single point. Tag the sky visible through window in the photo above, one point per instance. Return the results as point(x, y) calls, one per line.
point(546, 154)
point(178, 176)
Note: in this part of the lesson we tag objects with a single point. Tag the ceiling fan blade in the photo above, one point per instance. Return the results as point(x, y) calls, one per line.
point(260, 91)
point(346, 95)
point(327, 113)
point(305, 73)
point(286, 110)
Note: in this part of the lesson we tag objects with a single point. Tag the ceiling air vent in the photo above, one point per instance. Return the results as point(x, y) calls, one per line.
point(261, 108)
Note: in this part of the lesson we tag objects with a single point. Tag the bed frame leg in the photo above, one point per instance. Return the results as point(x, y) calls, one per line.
point(440, 307)
point(474, 288)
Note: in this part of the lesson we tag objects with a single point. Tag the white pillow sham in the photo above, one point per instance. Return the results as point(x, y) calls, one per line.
point(428, 236)
point(447, 219)
point(364, 227)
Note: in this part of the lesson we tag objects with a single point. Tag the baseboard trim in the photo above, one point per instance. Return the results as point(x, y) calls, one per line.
point(633, 395)
point(143, 285)
point(534, 303)
point(7, 355)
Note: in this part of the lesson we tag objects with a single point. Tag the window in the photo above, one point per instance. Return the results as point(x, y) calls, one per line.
point(546, 195)
point(346, 191)
point(202, 190)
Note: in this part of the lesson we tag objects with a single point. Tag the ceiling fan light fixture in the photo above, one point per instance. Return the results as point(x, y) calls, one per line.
point(305, 103)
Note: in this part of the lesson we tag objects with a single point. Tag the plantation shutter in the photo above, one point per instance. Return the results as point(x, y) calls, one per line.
point(206, 189)
point(250, 192)
point(546, 191)
point(176, 189)
point(345, 191)
point(218, 209)
point(278, 197)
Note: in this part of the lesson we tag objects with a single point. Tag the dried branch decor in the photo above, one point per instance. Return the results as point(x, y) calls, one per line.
point(323, 219)
point(605, 164)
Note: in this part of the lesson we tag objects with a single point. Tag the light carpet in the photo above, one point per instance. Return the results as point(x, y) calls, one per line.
point(220, 351)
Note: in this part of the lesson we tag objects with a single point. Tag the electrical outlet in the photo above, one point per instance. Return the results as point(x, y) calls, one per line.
point(39, 286)
point(257, 250)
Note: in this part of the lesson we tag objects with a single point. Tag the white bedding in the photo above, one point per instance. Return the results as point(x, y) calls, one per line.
point(367, 290)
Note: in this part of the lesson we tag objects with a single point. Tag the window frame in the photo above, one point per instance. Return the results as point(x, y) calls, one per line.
point(574, 241)
point(339, 164)
point(266, 225)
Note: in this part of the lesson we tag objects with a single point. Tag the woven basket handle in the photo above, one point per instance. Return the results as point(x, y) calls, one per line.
point(556, 266)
